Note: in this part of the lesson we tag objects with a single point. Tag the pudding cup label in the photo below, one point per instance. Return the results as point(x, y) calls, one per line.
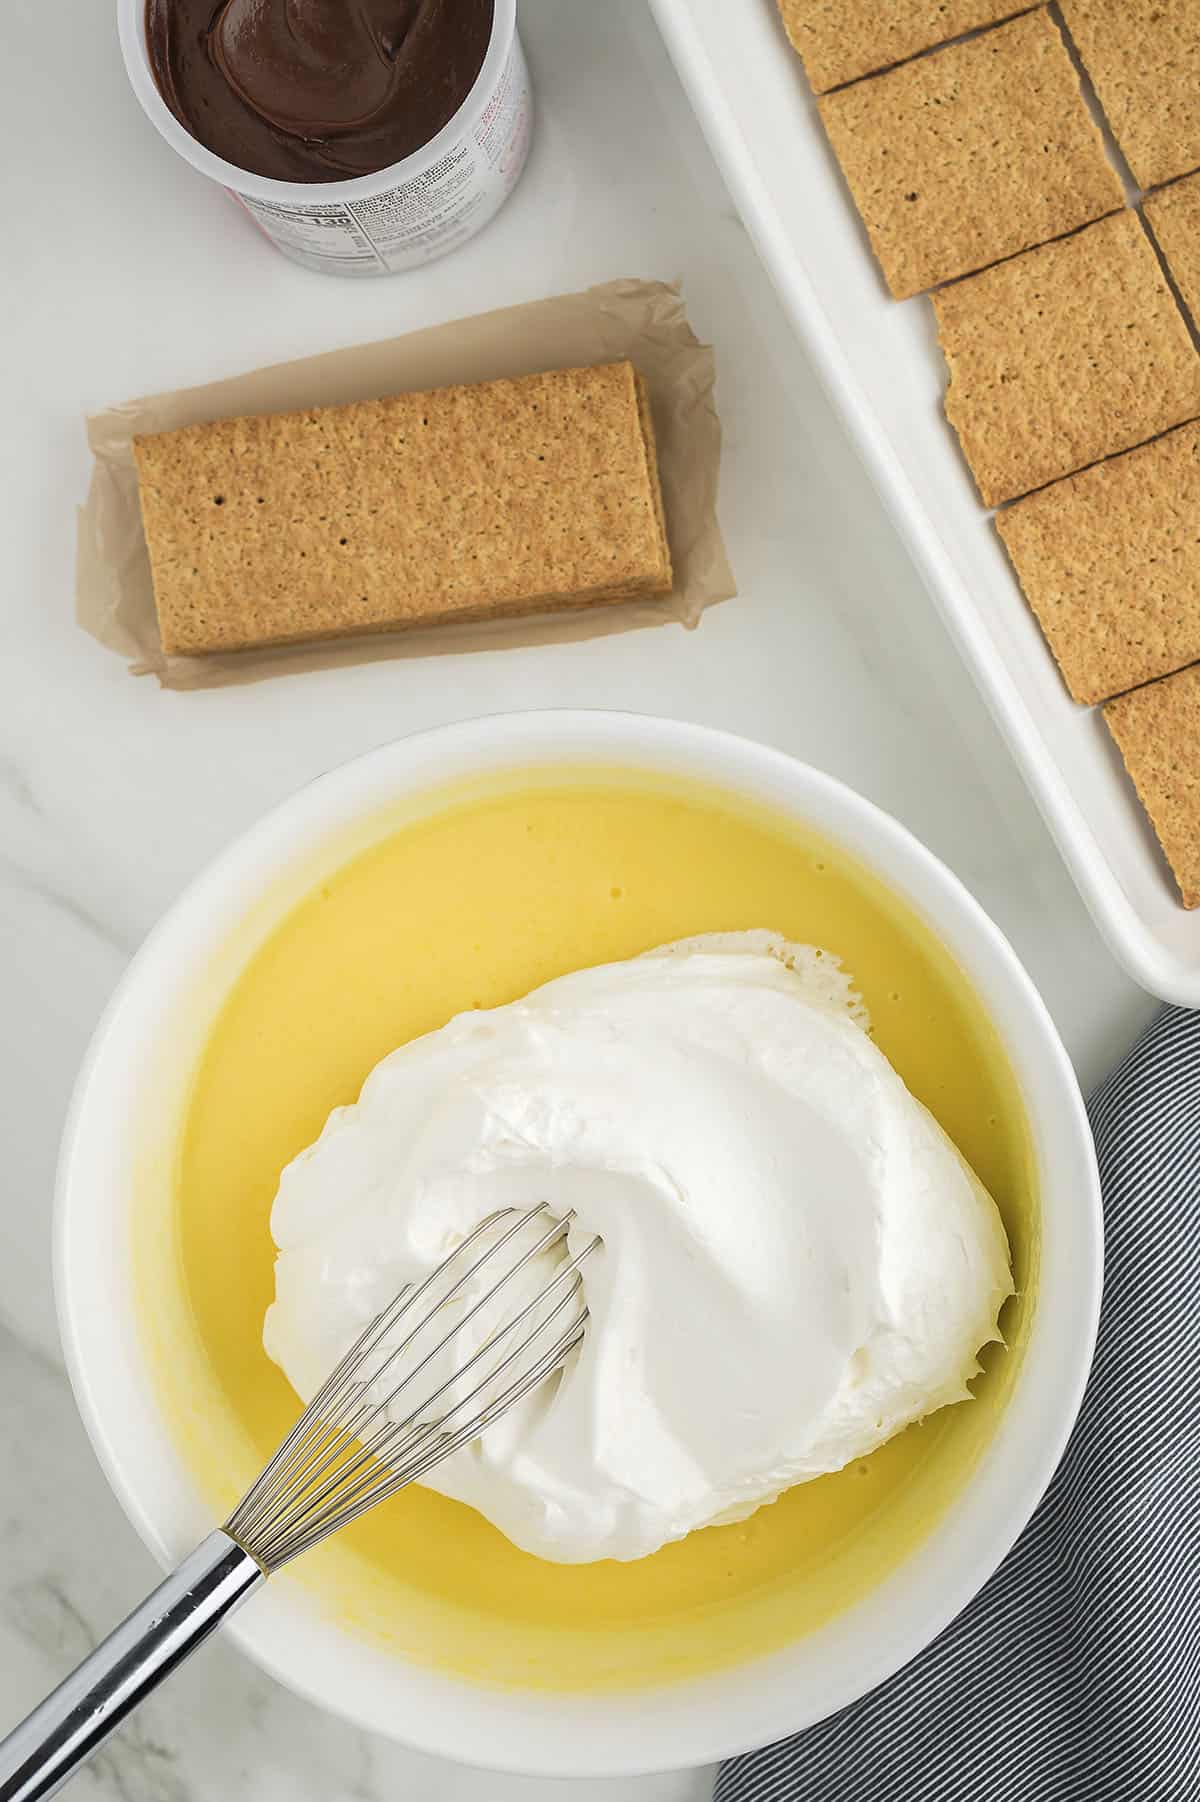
point(446, 202)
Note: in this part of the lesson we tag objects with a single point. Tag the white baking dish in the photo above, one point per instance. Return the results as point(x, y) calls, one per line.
point(879, 360)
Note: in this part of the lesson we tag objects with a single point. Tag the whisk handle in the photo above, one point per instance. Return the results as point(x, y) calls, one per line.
point(39, 1755)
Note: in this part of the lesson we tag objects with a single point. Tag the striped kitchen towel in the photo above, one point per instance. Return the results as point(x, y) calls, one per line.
point(1074, 1676)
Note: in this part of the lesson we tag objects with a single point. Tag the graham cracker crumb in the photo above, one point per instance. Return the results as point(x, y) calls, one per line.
point(971, 154)
point(1157, 731)
point(1110, 563)
point(1064, 355)
point(1143, 57)
point(485, 501)
point(839, 40)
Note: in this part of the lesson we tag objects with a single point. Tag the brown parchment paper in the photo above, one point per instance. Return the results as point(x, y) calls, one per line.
point(644, 321)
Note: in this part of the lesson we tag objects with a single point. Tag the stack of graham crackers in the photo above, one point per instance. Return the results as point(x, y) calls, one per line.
point(1069, 330)
point(484, 501)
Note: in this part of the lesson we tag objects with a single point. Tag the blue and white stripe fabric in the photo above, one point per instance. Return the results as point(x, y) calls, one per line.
point(1074, 1676)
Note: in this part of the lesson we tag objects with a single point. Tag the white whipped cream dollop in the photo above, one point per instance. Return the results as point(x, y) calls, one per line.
point(796, 1261)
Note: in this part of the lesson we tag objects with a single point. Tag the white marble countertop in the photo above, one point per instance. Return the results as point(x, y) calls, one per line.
point(124, 272)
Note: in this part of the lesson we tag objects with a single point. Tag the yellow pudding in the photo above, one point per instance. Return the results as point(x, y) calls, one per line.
point(472, 901)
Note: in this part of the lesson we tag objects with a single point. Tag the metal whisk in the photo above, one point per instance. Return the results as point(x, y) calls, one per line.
point(401, 1400)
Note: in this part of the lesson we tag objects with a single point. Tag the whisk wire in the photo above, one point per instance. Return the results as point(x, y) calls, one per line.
point(390, 1451)
point(294, 1449)
point(347, 1452)
point(383, 1483)
point(387, 1461)
point(557, 1231)
point(562, 1275)
point(293, 1473)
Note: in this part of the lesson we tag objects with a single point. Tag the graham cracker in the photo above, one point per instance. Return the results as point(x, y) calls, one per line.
point(971, 154)
point(501, 498)
point(1143, 57)
point(1110, 563)
point(1174, 215)
point(840, 40)
point(1157, 730)
point(1064, 355)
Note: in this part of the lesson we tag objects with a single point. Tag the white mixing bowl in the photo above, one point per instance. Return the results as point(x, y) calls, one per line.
point(138, 1067)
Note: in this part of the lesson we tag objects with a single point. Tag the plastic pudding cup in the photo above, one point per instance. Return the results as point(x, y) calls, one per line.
point(400, 217)
point(141, 1047)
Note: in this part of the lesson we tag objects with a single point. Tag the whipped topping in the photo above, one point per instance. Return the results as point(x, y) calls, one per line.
point(796, 1261)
